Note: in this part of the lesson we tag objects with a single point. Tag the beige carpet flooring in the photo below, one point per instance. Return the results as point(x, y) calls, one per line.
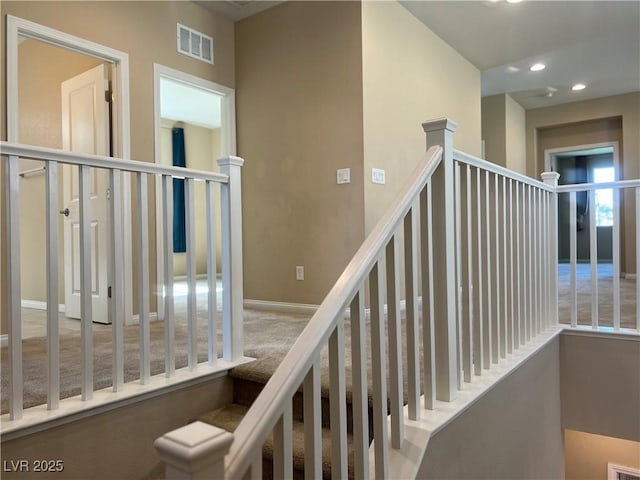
point(268, 337)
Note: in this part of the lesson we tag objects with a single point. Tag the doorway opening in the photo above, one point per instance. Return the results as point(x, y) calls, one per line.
point(202, 114)
point(586, 164)
point(35, 116)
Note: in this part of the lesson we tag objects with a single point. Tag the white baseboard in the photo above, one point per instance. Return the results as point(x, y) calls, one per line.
point(135, 320)
point(285, 307)
point(4, 340)
point(305, 308)
point(37, 305)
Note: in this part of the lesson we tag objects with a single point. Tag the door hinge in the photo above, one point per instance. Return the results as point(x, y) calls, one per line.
point(108, 96)
point(109, 292)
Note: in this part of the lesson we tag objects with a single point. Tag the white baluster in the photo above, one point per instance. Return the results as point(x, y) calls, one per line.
point(14, 297)
point(505, 285)
point(469, 317)
point(143, 277)
point(395, 343)
point(312, 423)
point(53, 333)
point(169, 321)
point(458, 264)
point(86, 312)
point(489, 313)
point(616, 259)
point(378, 372)
point(496, 319)
point(478, 292)
point(337, 402)
point(593, 257)
point(192, 315)
point(411, 295)
point(428, 325)
point(283, 445)
point(212, 268)
point(116, 280)
point(638, 259)
point(519, 290)
point(572, 259)
point(360, 397)
point(512, 288)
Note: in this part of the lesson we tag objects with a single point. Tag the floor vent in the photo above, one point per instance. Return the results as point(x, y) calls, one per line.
point(619, 472)
point(195, 44)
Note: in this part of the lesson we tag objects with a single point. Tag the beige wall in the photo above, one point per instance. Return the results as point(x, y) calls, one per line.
point(409, 76)
point(601, 385)
point(503, 130)
point(147, 32)
point(493, 129)
point(299, 118)
point(512, 432)
point(202, 148)
point(587, 455)
point(516, 139)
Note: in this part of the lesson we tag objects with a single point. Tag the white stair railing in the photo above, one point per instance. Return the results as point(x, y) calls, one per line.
point(457, 218)
point(118, 172)
point(631, 225)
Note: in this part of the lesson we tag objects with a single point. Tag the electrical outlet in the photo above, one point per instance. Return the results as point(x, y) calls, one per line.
point(377, 176)
point(343, 175)
point(299, 272)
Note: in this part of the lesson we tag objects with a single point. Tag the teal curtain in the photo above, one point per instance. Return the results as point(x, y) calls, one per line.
point(179, 160)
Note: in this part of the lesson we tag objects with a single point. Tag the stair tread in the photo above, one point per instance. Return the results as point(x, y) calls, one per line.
point(230, 416)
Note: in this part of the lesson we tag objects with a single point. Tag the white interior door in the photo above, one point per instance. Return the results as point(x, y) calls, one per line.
point(85, 129)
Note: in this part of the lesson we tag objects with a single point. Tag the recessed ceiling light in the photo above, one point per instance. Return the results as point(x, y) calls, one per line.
point(536, 67)
point(578, 86)
point(514, 1)
point(512, 69)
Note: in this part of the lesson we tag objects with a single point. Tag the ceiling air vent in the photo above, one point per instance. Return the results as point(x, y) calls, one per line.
point(195, 44)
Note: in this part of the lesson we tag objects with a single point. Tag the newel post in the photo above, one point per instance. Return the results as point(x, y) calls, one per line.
point(232, 297)
point(551, 179)
point(440, 132)
point(194, 452)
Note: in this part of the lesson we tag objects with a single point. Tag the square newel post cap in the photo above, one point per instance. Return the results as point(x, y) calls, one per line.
point(194, 447)
point(440, 124)
point(230, 161)
point(550, 178)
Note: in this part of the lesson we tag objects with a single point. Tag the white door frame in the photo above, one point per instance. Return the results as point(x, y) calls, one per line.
point(227, 134)
point(121, 126)
point(550, 152)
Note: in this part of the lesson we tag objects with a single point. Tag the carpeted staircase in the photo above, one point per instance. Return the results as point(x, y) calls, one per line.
point(248, 381)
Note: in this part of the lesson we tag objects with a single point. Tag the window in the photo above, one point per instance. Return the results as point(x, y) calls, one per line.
point(604, 197)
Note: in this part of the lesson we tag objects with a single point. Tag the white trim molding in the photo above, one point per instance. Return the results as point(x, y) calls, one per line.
point(613, 470)
point(37, 305)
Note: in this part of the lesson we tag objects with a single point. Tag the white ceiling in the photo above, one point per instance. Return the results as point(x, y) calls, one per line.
point(188, 103)
point(595, 43)
point(592, 42)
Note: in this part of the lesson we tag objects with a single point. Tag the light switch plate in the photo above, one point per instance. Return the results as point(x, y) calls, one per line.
point(343, 175)
point(378, 176)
